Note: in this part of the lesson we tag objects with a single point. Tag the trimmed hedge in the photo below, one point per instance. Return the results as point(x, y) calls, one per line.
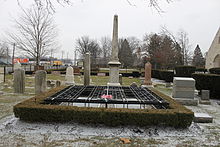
point(214, 70)
point(184, 71)
point(33, 109)
point(166, 75)
point(208, 82)
point(200, 69)
point(163, 75)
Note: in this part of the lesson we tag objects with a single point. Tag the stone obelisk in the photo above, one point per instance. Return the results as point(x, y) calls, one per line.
point(114, 61)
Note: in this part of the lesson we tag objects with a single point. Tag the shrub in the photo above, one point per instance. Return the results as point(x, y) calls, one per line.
point(208, 82)
point(34, 110)
point(166, 75)
point(200, 69)
point(184, 71)
point(214, 70)
point(155, 73)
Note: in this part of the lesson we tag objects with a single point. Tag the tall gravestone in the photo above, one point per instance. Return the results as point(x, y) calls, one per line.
point(87, 69)
point(19, 80)
point(114, 62)
point(69, 78)
point(40, 81)
point(147, 77)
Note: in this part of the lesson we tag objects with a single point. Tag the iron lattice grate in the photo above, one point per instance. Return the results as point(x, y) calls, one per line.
point(118, 95)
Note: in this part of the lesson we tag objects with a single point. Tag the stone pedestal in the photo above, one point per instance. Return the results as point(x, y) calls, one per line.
point(147, 78)
point(183, 91)
point(19, 81)
point(114, 74)
point(69, 78)
point(40, 81)
point(87, 69)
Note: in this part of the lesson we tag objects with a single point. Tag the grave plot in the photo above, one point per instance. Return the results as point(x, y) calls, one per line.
point(120, 97)
point(151, 107)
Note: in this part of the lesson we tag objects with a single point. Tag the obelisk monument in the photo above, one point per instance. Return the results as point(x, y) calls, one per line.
point(114, 61)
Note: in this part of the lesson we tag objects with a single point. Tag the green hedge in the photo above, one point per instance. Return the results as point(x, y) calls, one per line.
point(33, 110)
point(163, 75)
point(200, 69)
point(208, 82)
point(214, 70)
point(184, 71)
point(166, 75)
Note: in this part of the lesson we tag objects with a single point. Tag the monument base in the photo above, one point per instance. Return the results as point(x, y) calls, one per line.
point(70, 83)
point(187, 101)
point(113, 84)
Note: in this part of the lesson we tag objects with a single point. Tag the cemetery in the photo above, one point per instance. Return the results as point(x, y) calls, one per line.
point(109, 103)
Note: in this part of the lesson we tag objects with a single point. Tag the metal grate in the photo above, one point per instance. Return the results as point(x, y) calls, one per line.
point(119, 95)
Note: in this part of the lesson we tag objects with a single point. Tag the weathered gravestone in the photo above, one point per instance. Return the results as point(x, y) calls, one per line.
point(69, 78)
point(19, 81)
point(205, 97)
point(40, 81)
point(147, 78)
point(87, 69)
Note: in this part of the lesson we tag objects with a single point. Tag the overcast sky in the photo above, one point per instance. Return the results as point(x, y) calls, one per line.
point(199, 18)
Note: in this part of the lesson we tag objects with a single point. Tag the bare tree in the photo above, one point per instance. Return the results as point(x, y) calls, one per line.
point(85, 44)
point(185, 46)
point(50, 4)
point(36, 33)
point(4, 50)
point(106, 45)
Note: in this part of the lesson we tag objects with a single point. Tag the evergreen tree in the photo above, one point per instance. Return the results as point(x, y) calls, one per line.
point(125, 54)
point(198, 59)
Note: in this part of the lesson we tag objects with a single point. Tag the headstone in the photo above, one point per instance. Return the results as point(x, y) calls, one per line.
point(101, 74)
point(147, 78)
point(69, 78)
point(19, 81)
point(114, 62)
point(17, 65)
point(205, 97)
point(120, 79)
point(134, 84)
point(58, 83)
point(184, 90)
point(87, 69)
point(40, 81)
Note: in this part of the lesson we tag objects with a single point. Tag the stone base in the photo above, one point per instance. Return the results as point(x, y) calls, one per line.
point(187, 101)
point(205, 102)
point(202, 118)
point(147, 86)
point(69, 83)
point(113, 84)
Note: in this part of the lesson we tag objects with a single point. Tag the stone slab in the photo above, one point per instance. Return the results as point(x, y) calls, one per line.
point(202, 118)
point(183, 82)
point(205, 102)
point(187, 102)
point(183, 94)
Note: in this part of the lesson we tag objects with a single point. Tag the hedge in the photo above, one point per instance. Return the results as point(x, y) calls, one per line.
point(184, 71)
point(214, 70)
point(208, 82)
point(34, 110)
point(166, 75)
